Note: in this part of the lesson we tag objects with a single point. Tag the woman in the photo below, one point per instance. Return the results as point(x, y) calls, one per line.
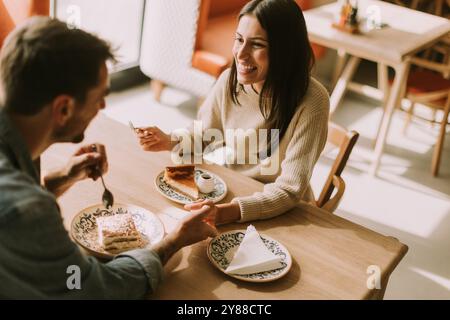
point(268, 86)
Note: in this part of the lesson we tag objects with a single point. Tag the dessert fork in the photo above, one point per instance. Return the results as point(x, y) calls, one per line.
point(107, 197)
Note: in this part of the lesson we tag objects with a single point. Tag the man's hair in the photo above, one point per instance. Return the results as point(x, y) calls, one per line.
point(45, 58)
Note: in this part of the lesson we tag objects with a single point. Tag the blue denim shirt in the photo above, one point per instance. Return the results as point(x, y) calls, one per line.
point(36, 250)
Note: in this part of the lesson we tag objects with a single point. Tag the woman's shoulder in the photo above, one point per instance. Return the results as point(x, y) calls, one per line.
point(218, 90)
point(223, 78)
point(316, 99)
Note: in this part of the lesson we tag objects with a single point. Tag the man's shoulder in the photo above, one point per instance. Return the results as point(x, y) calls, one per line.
point(20, 194)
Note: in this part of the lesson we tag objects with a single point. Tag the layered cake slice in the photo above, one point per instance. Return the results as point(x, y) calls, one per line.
point(118, 233)
point(182, 179)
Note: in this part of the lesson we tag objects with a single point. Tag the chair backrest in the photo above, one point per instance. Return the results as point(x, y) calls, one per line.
point(168, 42)
point(344, 140)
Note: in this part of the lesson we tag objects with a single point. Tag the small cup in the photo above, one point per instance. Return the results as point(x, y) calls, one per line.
point(205, 183)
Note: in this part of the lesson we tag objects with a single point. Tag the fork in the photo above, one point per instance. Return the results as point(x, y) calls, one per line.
point(107, 197)
point(132, 126)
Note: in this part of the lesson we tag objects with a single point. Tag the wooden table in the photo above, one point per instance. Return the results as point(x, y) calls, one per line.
point(330, 255)
point(407, 32)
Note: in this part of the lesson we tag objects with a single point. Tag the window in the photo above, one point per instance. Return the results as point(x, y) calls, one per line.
point(119, 22)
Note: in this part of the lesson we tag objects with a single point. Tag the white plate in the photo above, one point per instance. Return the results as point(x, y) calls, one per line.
point(222, 248)
point(84, 227)
point(220, 190)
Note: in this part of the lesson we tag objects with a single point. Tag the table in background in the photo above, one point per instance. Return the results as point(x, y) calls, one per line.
point(407, 32)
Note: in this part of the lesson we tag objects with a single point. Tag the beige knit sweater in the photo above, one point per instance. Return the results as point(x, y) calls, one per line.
point(286, 173)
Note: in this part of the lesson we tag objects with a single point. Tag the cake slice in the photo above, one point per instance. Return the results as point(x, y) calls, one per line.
point(118, 233)
point(182, 179)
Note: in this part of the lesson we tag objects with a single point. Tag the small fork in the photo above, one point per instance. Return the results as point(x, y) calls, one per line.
point(132, 126)
point(107, 197)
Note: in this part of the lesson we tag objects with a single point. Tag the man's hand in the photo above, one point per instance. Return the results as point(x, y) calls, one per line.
point(192, 229)
point(88, 162)
point(218, 214)
point(85, 163)
point(196, 227)
point(212, 211)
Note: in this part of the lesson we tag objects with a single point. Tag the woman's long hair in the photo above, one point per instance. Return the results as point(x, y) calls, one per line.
point(290, 62)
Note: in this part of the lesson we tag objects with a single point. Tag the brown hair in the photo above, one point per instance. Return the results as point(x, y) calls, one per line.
point(44, 58)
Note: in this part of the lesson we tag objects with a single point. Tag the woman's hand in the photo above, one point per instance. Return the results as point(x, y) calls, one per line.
point(212, 211)
point(154, 139)
point(217, 214)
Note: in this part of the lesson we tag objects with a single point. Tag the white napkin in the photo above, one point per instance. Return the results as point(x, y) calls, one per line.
point(252, 256)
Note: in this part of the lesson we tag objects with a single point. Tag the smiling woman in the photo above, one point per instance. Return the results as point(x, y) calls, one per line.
point(268, 87)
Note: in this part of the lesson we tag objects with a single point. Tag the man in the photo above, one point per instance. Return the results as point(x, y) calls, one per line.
point(54, 80)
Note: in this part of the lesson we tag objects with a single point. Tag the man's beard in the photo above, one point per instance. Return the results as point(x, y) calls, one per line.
point(65, 135)
point(78, 138)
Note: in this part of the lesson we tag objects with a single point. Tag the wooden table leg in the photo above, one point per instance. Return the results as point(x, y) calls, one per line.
point(157, 88)
point(383, 81)
point(340, 63)
point(383, 85)
point(342, 83)
point(401, 72)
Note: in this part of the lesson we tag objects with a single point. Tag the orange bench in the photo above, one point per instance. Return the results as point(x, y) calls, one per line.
point(13, 12)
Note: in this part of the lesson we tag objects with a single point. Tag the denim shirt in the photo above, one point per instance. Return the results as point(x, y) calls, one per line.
point(38, 260)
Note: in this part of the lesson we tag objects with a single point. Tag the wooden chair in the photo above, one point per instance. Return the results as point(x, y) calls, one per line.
point(344, 140)
point(429, 85)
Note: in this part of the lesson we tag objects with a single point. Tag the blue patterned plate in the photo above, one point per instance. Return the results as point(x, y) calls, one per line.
point(222, 248)
point(167, 191)
point(84, 227)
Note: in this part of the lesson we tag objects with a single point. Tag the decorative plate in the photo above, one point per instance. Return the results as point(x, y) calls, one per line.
point(84, 227)
point(222, 248)
point(220, 190)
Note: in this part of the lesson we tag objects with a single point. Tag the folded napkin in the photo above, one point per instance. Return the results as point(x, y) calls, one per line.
point(252, 256)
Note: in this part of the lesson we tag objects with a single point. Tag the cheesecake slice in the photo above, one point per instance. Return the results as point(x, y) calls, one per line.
point(182, 179)
point(118, 233)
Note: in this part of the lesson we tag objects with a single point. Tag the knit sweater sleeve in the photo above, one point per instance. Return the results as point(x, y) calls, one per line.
point(302, 153)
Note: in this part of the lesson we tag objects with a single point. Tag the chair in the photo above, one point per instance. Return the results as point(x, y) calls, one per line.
point(428, 84)
point(13, 12)
point(187, 43)
point(168, 42)
point(344, 140)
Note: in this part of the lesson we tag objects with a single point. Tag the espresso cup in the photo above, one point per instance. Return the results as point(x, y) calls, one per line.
point(205, 183)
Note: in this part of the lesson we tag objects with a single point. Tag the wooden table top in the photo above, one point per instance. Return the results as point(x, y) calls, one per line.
point(407, 31)
point(330, 255)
